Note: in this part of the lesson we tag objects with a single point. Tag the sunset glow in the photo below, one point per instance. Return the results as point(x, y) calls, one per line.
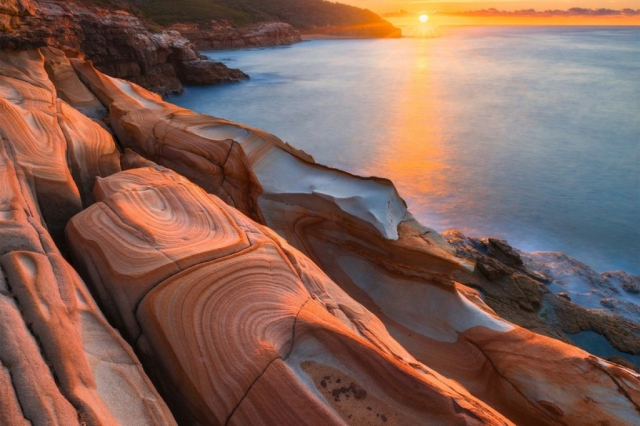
point(507, 12)
point(423, 18)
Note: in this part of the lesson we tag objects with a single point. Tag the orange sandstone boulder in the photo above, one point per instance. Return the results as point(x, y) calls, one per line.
point(358, 231)
point(240, 327)
point(61, 363)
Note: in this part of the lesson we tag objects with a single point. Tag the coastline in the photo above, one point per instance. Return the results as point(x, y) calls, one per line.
point(541, 233)
point(258, 252)
point(320, 36)
point(161, 266)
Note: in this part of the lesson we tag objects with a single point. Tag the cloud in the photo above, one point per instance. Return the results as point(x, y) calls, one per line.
point(574, 11)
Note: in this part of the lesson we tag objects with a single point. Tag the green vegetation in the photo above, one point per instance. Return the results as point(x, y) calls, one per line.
point(167, 12)
point(302, 14)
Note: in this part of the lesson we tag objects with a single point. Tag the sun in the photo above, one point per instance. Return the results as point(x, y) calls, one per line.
point(423, 18)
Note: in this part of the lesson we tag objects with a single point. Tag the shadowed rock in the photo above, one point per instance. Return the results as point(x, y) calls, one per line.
point(61, 363)
point(117, 42)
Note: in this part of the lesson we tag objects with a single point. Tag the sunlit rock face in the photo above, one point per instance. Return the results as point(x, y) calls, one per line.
point(30, 128)
point(360, 323)
point(359, 232)
point(240, 327)
point(172, 137)
point(61, 363)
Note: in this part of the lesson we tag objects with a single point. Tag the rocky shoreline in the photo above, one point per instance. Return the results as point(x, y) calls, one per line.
point(250, 284)
point(162, 267)
point(120, 44)
point(553, 294)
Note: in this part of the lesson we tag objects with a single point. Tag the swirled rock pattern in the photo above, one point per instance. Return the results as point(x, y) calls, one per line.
point(176, 138)
point(359, 232)
point(212, 298)
point(30, 128)
point(61, 363)
point(362, 325)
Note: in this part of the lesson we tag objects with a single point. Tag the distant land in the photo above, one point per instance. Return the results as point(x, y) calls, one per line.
point(492, 16)
point(305, 15)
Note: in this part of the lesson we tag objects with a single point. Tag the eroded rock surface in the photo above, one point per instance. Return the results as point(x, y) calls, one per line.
point(212, 298)
point(359, 232)
point(360, 323)
point(221, 35)
point(61, 363)
point(551, 293)
point(176, 138)
point(117, 42)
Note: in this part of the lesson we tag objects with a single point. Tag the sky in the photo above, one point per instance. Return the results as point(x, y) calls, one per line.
point(383, 6)
point(450, 12)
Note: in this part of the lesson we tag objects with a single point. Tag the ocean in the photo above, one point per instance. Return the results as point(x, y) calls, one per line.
point(530, 134)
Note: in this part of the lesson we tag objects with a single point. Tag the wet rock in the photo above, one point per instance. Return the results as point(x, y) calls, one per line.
point(552, 293)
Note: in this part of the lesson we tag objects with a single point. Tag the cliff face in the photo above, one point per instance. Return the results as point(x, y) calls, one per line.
point(375, 30)
point(255, 285)
point(116, 42)
point(221, 35)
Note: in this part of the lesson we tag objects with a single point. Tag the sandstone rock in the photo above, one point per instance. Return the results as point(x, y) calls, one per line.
point(117, 42)
point(176, 138)
point(212, 298)
point(359, 232)
point(91, 151)
point(222, 35)
point(28, 113)
point(61, 363)
point(69, 87)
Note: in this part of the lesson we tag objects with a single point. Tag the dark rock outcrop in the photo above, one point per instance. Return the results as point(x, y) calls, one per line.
point(117, 42)
point(222, 35)
point(551, 293)
point(375, 30)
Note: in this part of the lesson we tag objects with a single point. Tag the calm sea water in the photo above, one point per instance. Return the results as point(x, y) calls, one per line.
point(529, 134)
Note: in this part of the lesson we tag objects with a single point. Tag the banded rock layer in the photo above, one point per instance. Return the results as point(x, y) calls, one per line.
point(359, 232)
point(362, 325)
point(61, 363)
point(212, 298)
